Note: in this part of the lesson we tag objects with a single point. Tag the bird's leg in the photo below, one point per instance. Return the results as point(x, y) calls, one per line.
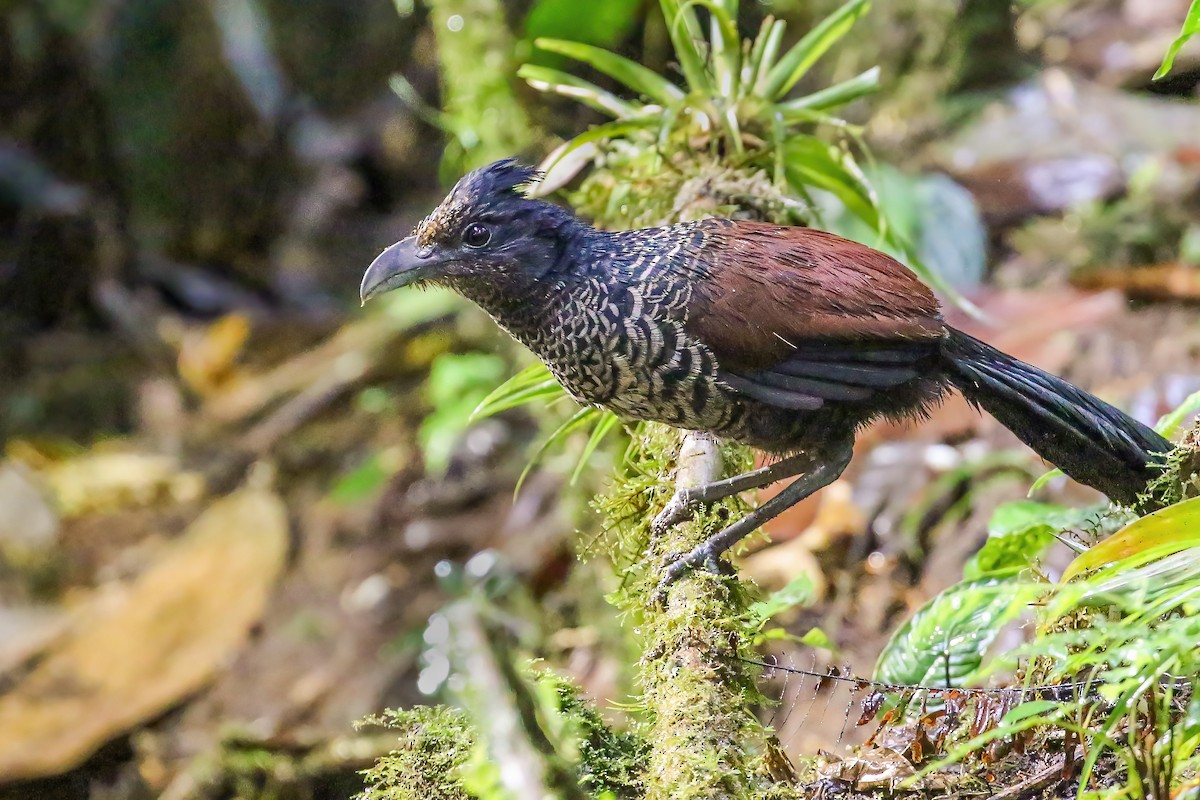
point(679, 508)
point(824, 473)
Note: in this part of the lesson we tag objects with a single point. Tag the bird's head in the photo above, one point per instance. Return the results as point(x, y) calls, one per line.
point(485, 230)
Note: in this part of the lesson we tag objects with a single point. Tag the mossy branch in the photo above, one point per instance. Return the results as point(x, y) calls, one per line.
point(697, 691)
point(693, 683)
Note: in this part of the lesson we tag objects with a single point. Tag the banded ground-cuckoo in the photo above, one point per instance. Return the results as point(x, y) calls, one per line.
point(785, 338)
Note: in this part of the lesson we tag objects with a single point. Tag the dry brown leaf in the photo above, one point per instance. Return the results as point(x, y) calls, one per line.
point(208, 356)
point(104, 480)
point(138, 649)
point(1149, 282)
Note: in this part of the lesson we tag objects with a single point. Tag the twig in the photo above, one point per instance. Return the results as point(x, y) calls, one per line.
point(1039, 781)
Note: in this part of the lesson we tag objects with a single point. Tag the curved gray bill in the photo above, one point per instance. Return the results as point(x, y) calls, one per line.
point(399, 265)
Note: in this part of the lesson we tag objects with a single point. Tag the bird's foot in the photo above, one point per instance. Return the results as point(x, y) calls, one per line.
point(706, 555)
point(680, 508)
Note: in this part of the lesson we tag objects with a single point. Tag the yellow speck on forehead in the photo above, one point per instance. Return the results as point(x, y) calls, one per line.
point(443, 220)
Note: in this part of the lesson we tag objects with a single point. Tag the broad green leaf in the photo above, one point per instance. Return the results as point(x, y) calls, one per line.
point(837, 95)
point(531, 383)
point(799, 591)
point(1018, 533)
point(934, 213)
point(1169, 424)
point(798, 60)
point(1162, 533)
point(945, 640)
point(815, 637)
point(603, 427)
point(639, 79)
point(545, 79)
point(603, 24)
point(1191, 27)
point(684, 30)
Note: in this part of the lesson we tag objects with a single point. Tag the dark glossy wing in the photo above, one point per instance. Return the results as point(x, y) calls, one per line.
point(798, 318)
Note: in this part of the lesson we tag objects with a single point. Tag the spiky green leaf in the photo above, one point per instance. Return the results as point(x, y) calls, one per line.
point(531, 383)
point(573, 423)
point(725, 47)
point(811, 162)
point(604, 425)
point(639, 79)
point(833, 96)
point(684, 30)
point(800, 58)
point(1191, 27)
point(546, 79)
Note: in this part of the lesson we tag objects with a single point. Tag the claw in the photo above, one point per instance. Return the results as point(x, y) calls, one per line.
point(679, 564)
point(678, 509)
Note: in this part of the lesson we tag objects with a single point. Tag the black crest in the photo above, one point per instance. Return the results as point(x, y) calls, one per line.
point(475, 192)
point(502, 177)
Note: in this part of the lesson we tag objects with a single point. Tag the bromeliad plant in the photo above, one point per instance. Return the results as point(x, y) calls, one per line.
point(734, 103)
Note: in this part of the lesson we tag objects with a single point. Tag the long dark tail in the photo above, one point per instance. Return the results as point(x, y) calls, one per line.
point(1082, 435)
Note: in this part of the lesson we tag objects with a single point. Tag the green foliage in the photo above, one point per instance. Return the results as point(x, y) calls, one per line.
point(441, 756)
point(734, 96)
point(1018, 533)
point(610, 762)
point(435, 742)
point(797, 592)
point(734, 107)
point(601, 24)
point(1121, 626)
point(944, 642)
point(532, 383)
point(456, 385)
point(1191, 27)
point(935, 216)
point(1163, 533)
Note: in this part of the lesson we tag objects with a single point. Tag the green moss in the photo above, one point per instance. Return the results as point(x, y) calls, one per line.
point(639, 188)
point(612, 762)
point(435, 743)
point(477, 59)
point(696, 690)
point(1180, 479)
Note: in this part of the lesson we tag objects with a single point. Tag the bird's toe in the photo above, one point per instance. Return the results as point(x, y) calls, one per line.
point(677, 564)
point(677, 510)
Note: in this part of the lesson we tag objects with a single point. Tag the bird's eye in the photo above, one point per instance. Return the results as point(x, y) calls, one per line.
point(476, 235)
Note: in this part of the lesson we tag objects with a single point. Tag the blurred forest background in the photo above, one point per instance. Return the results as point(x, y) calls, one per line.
point(232, 505)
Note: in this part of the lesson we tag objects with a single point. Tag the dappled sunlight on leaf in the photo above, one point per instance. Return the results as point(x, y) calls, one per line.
point(1162, 533)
